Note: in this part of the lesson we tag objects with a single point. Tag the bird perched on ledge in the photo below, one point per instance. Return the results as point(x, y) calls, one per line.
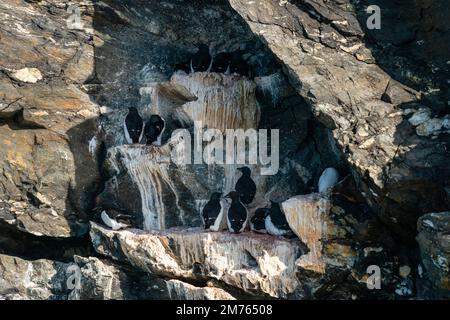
point(237, 214)
point(245, 186)
point(202, 60)
point(214, 213)
point(258, 221)
point(275, 222)
point(154, 129)
point(222, 63)
point(133, 126)
point(113, 217)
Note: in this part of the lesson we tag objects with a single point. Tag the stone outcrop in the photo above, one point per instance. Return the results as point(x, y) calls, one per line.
point(258, 264)
point(46, 120)
point(178, 290)
point(309, 216)
point(98, 280)
point(352, 89)
point(434, 243)
point(263, 266)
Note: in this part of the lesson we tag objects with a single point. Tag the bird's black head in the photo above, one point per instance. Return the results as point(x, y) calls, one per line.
point(262, 212)
point(274, 204)
point(233, 195)
point(156, 119)
point(245, 171)
point(216, 196)
point(203, 47)
point(132, 110)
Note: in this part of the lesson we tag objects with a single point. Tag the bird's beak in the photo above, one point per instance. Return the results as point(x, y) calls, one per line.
point(240, 169)
point(227, 196)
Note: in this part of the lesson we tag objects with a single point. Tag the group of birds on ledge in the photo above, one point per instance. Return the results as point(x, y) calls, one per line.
point(135, 129)
point(265, 220)
point(223, 62)
point(269, 220)
point(202, 61)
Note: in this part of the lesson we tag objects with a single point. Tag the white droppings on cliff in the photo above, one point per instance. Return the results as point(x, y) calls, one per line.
point(307, 216)
point(420, 270)
point(104, 110)
point(224, 101)
point(231, 177)
point(200, 204)
point(148, 168)
point(93, 145)
point(270, 85)
point(248, 261)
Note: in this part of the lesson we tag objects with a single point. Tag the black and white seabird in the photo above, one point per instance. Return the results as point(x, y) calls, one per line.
point(237, 214)
point(245, 186)
point(202, 60)
point(133, 126)
point(214, 213)
point(276, 223)
point(328, 179)
point(221, 63)
point(258, 221)
point(154, 129)
point(115, 219)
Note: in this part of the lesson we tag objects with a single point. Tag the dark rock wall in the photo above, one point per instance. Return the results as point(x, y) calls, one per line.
point(372, 103)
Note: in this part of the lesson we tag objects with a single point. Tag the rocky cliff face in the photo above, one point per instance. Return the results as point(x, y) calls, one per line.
point(371, 103)
point(337, 68)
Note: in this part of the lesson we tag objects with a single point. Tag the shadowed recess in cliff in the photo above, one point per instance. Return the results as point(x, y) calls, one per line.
point(333, 64)
point(412, 46)
point(135, 62)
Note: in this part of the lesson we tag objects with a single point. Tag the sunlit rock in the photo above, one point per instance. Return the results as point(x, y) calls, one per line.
point(258, 264)
point(309, 216)
point(30, 75)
